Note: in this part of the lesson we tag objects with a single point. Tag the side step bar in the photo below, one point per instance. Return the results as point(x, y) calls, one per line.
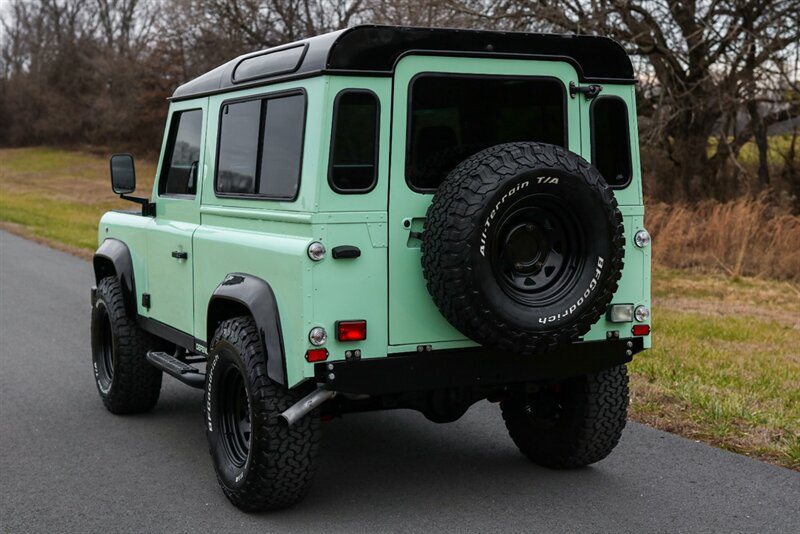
point(174, 367)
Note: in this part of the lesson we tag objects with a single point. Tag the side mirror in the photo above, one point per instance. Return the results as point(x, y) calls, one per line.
point(123, 174)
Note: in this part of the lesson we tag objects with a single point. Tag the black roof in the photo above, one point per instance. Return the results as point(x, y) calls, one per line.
point(374, 50)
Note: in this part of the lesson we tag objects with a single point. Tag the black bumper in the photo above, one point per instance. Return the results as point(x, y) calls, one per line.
point(424, 371)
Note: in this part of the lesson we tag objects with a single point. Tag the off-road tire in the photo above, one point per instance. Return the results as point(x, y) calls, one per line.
point(132, 385)
point(584, 429)
point(277, 466)
point(464, 231)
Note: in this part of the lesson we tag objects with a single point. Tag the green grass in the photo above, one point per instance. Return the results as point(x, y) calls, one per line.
point(70, 223)
point(725, 367)
point(729, 379)
point(58, 195)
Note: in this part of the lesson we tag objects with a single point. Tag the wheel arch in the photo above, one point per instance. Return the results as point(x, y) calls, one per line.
point(113, 258)
point(244, 294)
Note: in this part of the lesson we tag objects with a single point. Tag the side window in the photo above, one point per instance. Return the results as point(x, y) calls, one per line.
point(180, 168)
point(453, 117)
point(261, 147)
point(611, 144)
point(354, 150)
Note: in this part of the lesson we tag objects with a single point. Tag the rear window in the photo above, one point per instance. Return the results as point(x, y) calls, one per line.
point(453, 117)
point(611, 144)
point(354, 152)
point(261, 147)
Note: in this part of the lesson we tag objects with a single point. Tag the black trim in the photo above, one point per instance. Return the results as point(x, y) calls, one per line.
point(256, 296)
point(116, 253)
point(250, 98)
point(627, 136)
point(375, 50)
point(433, 74)
point(164, 331)
point(427, 371)
point(331, 151)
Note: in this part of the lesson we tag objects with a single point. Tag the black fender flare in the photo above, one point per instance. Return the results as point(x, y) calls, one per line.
point(113, 258)
point(239, 291)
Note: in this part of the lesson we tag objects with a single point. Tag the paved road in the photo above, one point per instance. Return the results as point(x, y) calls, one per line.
point(67, 465)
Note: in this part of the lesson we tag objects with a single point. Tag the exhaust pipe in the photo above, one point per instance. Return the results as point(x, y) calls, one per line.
point(305, 405)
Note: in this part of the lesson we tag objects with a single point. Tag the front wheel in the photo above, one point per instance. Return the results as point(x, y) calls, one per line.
point(126, 381)
point(260, 463)
point(570, 424)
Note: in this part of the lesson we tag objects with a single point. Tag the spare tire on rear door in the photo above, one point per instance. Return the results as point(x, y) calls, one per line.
point(523, 247)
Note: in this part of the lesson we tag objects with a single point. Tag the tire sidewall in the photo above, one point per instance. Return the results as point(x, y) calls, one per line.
point(223, 358)
point(100, 314)
point(569, 191)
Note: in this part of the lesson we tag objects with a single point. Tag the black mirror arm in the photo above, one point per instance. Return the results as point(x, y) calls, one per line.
point(148, 208)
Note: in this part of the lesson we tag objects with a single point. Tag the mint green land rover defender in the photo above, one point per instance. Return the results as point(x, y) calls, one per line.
point(378, 218)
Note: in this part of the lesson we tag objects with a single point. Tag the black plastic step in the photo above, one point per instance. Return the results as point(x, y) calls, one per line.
point(171, 365)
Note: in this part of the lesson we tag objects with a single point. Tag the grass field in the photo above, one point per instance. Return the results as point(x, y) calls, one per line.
point(725, 367)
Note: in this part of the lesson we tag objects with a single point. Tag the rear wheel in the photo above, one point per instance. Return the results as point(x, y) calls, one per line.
point(260, 463)
point(571, 424)
point(127, 383)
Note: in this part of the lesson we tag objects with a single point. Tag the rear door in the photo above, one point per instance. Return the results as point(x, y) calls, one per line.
point(169, 237)
point(443, 111)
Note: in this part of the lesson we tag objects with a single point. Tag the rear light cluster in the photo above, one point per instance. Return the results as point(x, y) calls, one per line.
point(345, 331)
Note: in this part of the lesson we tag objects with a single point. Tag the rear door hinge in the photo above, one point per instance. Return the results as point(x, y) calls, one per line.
point(146, 300)
point(589, 91)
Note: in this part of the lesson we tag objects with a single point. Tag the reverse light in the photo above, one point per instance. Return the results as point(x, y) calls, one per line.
point(351, 330)
point(642, 238)
point(641, 330)
point(317, 336)
point(620, 313)
point(641, 313)
point(316, 355)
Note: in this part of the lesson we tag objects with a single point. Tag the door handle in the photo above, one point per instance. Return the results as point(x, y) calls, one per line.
point(179, 255)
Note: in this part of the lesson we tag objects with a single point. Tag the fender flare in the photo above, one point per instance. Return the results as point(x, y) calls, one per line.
point(113, 258)
point(240, 290)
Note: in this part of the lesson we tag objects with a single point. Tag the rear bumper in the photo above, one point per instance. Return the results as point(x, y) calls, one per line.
point(424, 371)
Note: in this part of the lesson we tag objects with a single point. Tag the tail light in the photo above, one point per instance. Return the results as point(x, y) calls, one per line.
point(351, 330)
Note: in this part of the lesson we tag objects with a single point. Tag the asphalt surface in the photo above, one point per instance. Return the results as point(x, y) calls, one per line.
point(67, 465)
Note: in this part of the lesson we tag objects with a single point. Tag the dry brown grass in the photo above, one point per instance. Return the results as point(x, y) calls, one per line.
point(743, 237)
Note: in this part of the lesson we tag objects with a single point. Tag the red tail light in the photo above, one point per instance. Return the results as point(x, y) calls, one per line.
point(351, 330)
point(641, 329)
point(316, 355)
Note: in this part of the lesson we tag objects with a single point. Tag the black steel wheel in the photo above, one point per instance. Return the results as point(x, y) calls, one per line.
point(104, 364)
point(570, 424)
point(235, 417)
point(537, 255)
point(523, 247)
point(126, 381)
point(260, 463)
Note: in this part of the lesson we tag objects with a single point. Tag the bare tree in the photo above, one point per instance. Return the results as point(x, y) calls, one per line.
point(707, 58)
